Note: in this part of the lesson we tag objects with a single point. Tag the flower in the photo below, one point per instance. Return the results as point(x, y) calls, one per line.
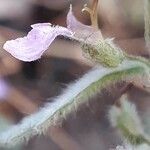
point(82, 32)
point(32, 46)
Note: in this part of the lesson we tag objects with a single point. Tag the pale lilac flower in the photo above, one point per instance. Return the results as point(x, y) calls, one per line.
point(32, 46)
point(82, 32)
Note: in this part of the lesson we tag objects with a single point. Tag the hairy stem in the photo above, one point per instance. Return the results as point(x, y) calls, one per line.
point(77, 94)
point(138, 58)
point(126, 119)
point(147, 23)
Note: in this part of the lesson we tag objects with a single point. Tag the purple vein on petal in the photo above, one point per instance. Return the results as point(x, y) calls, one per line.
point(32, 46)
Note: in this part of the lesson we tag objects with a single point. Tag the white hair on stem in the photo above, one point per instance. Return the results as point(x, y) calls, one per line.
point(126, 119)
point(76, 94)
point(131, 147)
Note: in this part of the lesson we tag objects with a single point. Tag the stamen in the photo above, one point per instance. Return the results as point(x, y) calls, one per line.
point(87, 9)
point(92, 12)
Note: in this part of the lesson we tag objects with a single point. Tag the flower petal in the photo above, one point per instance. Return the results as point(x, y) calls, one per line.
point(82, 32)
point(32, 46)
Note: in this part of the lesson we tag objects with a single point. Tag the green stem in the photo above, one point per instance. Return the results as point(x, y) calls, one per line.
point(127, 120)
point(147, 22)
point(138, 58)
point(133, 139)
point(69, 102)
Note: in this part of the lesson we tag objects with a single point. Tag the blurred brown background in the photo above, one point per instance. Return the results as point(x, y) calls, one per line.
point(25, 87)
